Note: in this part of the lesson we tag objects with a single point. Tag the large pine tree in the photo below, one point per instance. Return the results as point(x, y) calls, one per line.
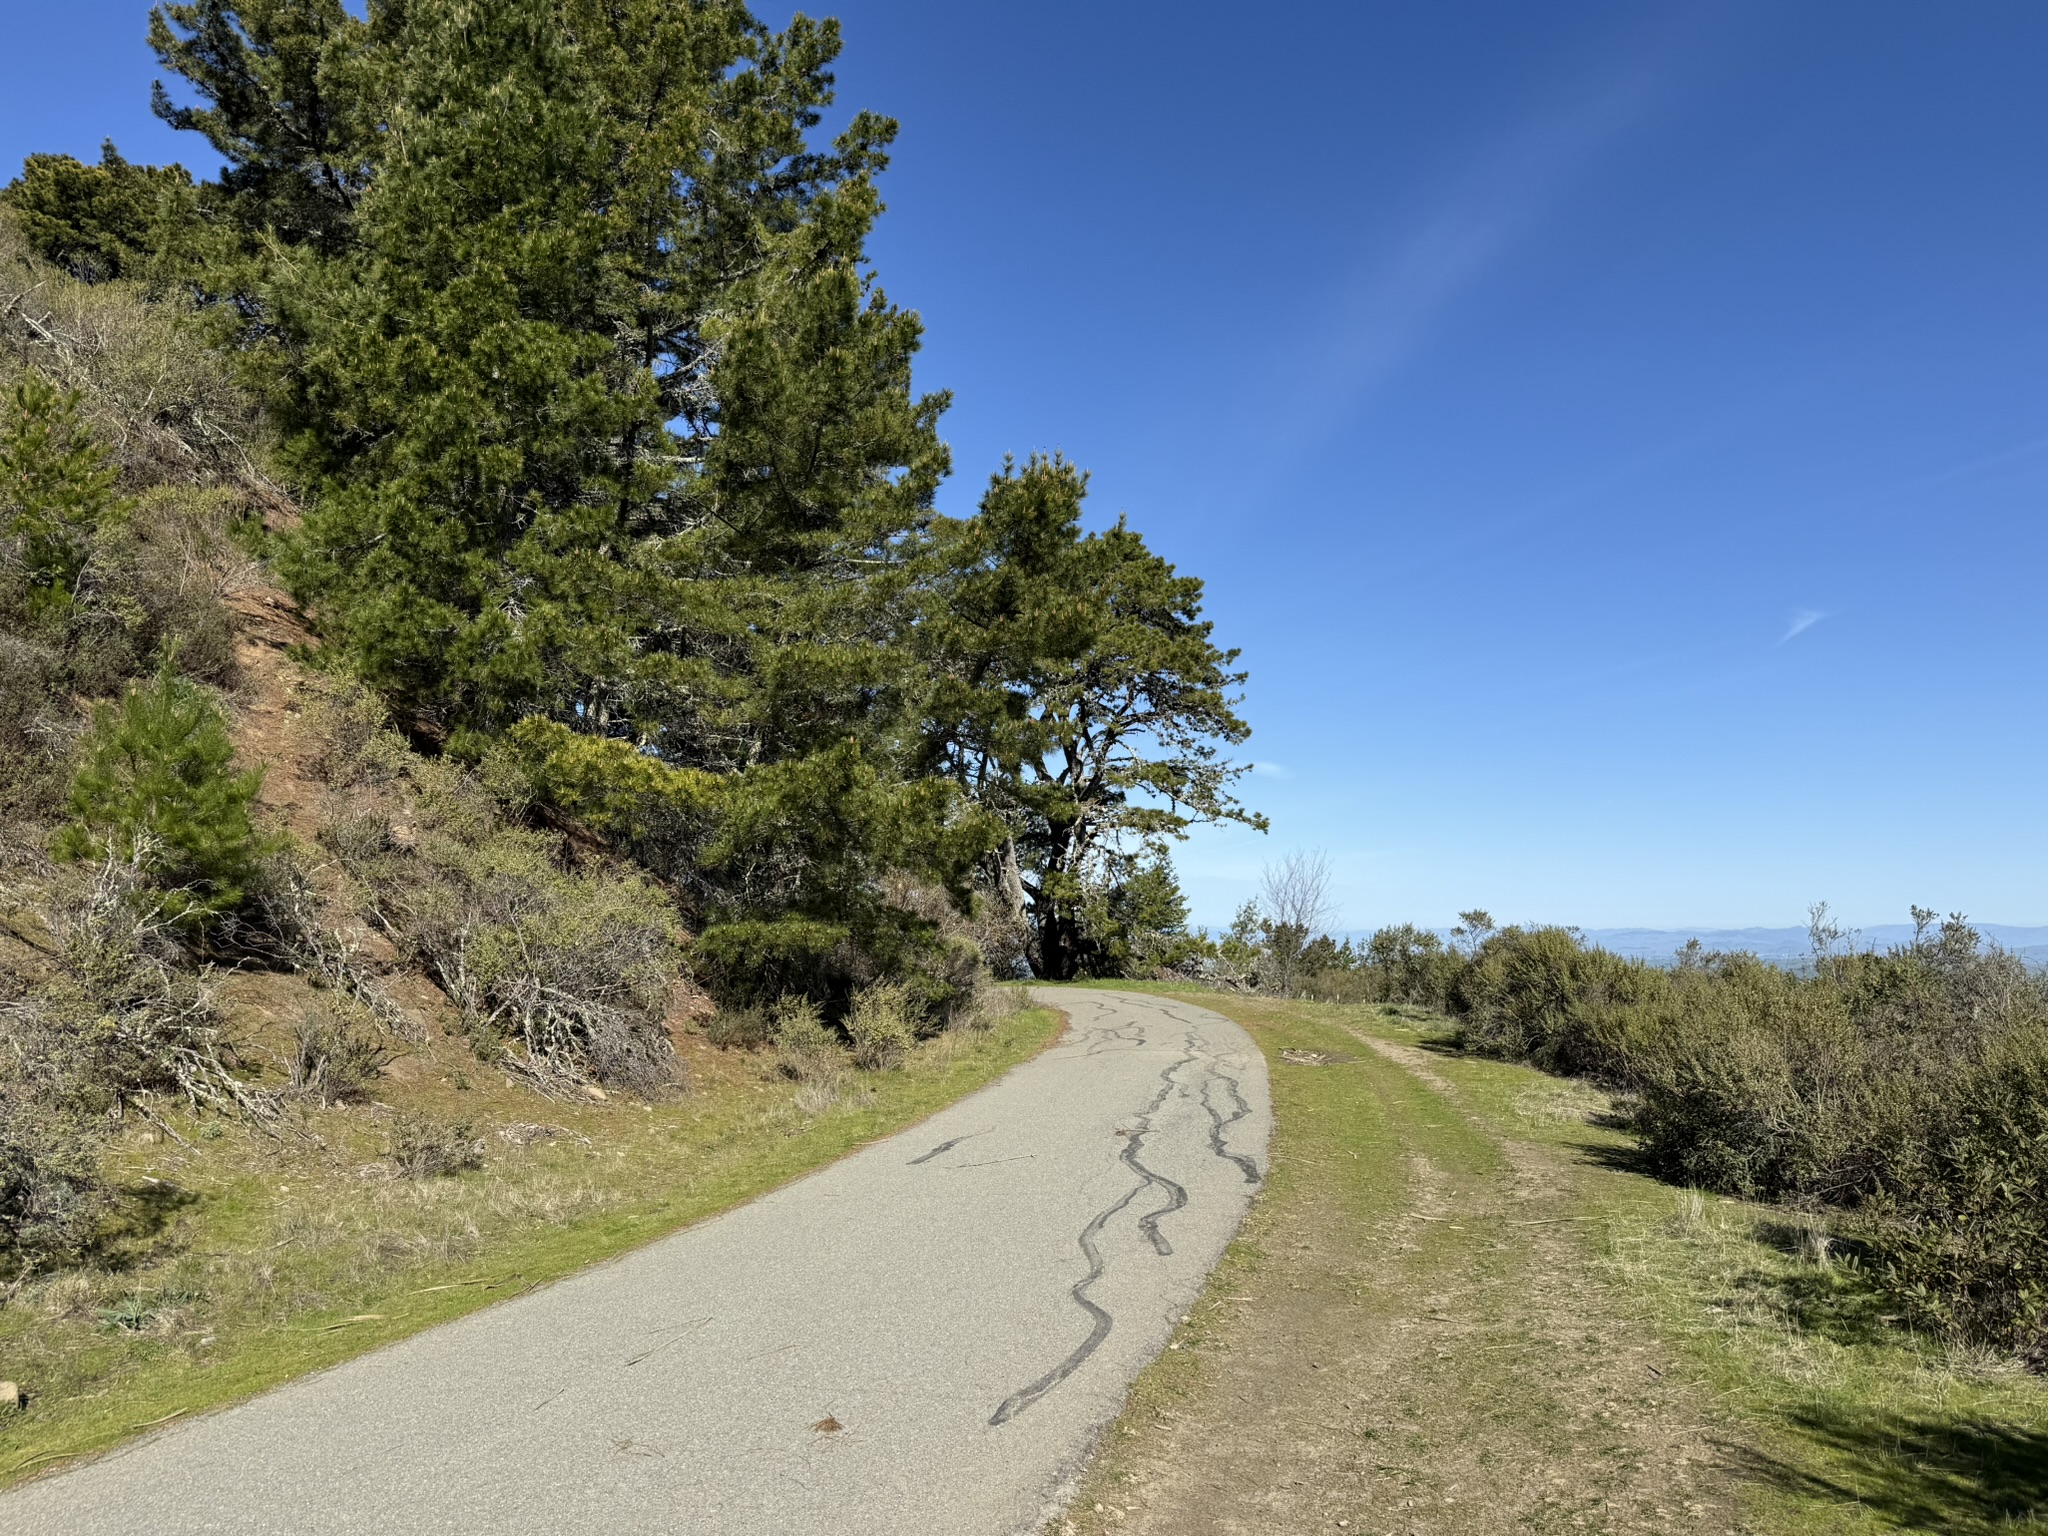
point(609, 441)
point(1076, 694)
point(602, 418)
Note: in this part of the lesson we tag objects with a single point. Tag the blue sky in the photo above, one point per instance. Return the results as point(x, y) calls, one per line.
point(1616, 434)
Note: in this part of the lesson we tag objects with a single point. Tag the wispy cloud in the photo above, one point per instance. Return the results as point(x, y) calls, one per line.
point(1396, 302)
point(1803, 619)
point(1272, 771)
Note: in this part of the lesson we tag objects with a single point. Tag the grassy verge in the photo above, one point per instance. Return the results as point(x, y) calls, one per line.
point(246, 1261)
point(1457, 1309)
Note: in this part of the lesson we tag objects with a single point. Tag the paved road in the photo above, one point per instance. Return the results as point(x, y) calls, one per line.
point(968, 1299)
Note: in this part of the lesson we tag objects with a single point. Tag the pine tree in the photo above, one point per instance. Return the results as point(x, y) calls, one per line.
point(609, 441)
point(285, 106)
point(56, 489)
point(1137, 924)
point(157, 786)
point(99, 222)
point(606, 422)
point(1076, 694)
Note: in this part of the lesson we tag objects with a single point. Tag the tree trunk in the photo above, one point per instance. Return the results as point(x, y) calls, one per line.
point(1010, 880)
point(1058, 953)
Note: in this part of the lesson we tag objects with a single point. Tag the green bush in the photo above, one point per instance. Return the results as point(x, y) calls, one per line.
point(1397, 964)
point(805, 1048)
point(1540, 995)
point(1757, 1082)
point(739, 1029)
point(157, 789)
point(56, 488)
point(99, 222)
point(880, 1026)
point(1959, 1215)
point(1135, 924)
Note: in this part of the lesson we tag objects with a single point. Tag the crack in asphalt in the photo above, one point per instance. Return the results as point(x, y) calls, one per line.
point(1101, 1320)
point(941, 1148)
point(1024, 1397)
point(1129, 1036)
point(1218, 1123)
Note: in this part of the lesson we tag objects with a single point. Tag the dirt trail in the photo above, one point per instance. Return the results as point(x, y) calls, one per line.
point(1409, 1338)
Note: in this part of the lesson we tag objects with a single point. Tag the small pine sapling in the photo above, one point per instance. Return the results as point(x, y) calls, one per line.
point(56, 488)
point(158, 775)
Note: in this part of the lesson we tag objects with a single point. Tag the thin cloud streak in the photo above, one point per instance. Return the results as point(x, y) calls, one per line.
point(1802, 620)
point(1392, 308)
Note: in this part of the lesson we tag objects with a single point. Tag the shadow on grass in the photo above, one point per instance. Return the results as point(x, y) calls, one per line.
point(134, 1231)
point(1960, 1475)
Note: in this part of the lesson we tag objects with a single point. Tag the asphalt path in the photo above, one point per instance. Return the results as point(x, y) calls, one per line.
point(924, 1337)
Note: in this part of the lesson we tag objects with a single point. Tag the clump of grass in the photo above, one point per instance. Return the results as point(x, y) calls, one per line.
point(739, 1028)
point(425, 1148)
point(993, 1002)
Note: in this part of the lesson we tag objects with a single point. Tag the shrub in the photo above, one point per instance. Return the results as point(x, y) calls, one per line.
point(37, 731)
point(1411, 965)
point(739, 1029)
point(1757, 1083)
point(332, 1062)
point(51, 1192)
point(344, 734)
point(103, 221)
point(152, 385)
point(1960, 1215)
point(124, 1019)
point(880, 1026)
point(425, 1148)
point(1540, 995)
point(1135, 922)
point(154, 586)
point(157, 790)
point(805, 1048)
point(570, 971)
point(562, 974)
point(357, 837)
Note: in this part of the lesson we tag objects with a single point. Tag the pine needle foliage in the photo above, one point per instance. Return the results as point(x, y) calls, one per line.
point(56, 488)
point(1076, 694)
point(100, 222)
point(158, 785)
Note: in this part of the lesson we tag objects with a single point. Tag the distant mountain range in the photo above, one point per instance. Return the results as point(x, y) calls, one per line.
point(1660, 944)
point(1781, 944)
